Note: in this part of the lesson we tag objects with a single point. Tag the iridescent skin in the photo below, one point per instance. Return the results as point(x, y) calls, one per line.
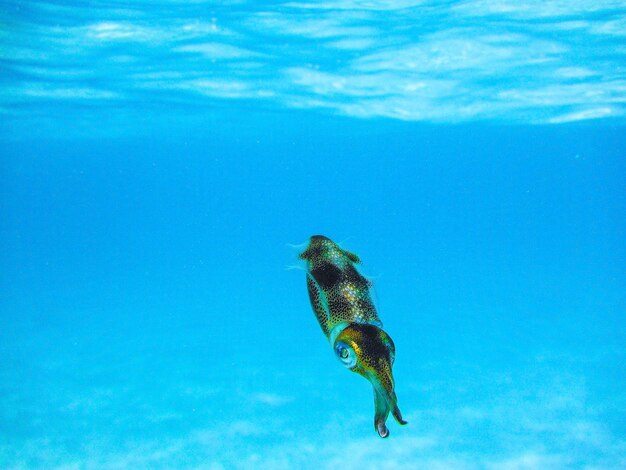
point(340, 298)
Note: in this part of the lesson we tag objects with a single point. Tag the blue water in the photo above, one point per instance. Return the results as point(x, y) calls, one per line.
point(158, 159)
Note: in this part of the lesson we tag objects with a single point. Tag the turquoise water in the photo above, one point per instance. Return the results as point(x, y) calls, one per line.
point(160, 159)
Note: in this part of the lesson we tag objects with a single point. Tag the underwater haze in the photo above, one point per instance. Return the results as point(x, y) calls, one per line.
point(163, 163)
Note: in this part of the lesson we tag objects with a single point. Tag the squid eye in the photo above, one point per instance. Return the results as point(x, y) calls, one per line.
point(345, 354)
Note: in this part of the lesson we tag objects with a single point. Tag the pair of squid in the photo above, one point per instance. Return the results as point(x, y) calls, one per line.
point(341, 301)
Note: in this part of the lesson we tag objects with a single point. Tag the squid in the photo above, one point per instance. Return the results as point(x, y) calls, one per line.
point(341, 300)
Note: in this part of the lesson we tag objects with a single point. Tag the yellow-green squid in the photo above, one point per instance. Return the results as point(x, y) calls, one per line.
point(341, 300)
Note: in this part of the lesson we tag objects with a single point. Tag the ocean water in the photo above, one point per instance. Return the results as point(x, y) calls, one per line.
point(159, 160)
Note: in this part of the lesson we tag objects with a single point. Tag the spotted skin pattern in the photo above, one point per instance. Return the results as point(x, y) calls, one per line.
point(341, 301)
